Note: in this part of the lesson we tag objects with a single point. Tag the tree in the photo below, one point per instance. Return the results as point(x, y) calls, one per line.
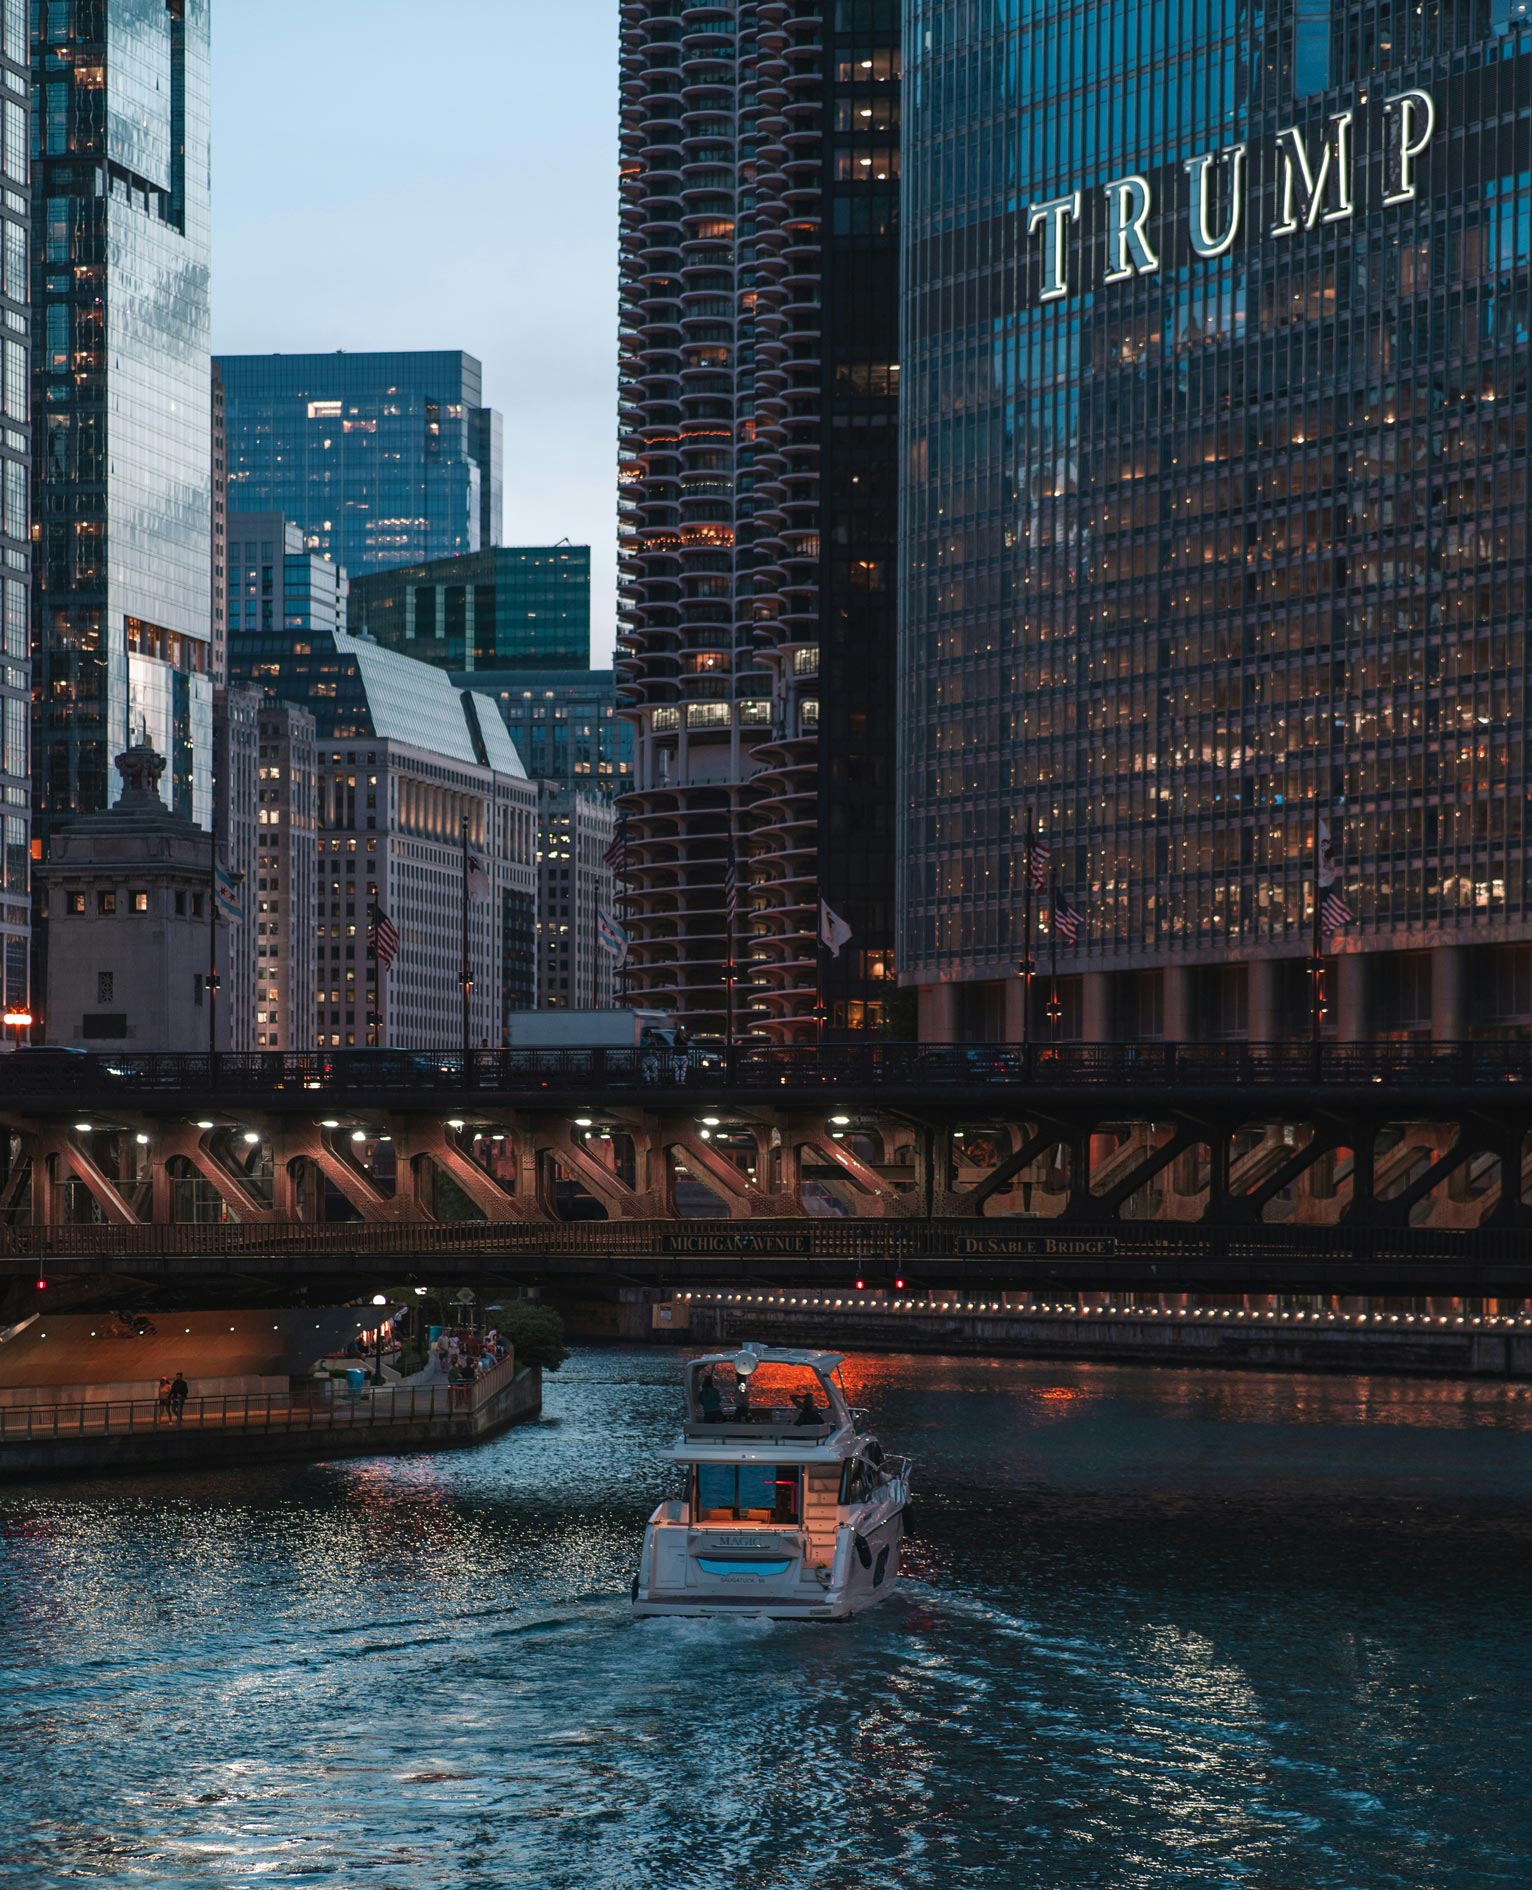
point(535, 1331)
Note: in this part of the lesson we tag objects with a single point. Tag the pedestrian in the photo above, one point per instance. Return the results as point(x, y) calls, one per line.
point(180, 1391)
point(162, 1402)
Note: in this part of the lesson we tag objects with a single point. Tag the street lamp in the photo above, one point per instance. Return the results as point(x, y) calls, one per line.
point(378, 1299)
point(17, 1019)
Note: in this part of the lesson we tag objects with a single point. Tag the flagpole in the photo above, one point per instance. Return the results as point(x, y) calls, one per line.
point(1053, 959)
point(1026, 937)
point(212, 948)
point(1316, 970)
point(375, 1021)
point(467, 960)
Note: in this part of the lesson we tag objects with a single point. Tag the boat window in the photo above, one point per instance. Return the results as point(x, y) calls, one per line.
point(746, 1492)
point(857, 1481)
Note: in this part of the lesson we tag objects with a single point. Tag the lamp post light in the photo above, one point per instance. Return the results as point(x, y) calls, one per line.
point(379, 1300)
point(17, 1019)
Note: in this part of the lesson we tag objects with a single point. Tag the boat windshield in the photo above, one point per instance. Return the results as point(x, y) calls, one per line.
point(746, 1492)
point(774, 1394)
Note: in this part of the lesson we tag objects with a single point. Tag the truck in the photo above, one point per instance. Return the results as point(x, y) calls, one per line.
point(592, 1030)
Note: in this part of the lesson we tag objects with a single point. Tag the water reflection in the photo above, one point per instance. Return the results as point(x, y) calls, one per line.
point(1162, 1630)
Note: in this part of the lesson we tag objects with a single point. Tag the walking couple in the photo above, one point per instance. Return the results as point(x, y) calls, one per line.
point(172, 1399)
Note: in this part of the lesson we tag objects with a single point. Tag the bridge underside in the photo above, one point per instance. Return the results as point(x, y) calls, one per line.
point(1229, 1191)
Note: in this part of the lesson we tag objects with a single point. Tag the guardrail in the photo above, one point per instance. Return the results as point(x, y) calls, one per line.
point(414, 1404)
point(38, 1077)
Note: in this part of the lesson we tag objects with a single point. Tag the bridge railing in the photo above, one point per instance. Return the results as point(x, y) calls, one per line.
point(42, 1076)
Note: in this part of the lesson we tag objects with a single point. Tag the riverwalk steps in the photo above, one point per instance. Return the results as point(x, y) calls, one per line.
point(1444, 1343)
point(99, 1437)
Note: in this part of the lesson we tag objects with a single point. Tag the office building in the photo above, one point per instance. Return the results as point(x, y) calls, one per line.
point(128, 900)
point(501, 609)
point(376, 457)
point(574, 885)
point(276, 582)
point(565, 725)
point(15, 448)
point(236, 799)
point(425, 809)
point(285, 904)
point(1218, 418)
point(220, 604)
point(759, 396)
point(122, 386)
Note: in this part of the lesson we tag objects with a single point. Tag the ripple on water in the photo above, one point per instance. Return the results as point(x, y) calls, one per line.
point(1158, 1629)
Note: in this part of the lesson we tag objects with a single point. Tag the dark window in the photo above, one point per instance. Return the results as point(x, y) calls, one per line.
point(105, 1024)
point(746, 1492)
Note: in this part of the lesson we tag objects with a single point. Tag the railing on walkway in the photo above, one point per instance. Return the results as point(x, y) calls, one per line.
point(34, 1079)
point(447, 1405)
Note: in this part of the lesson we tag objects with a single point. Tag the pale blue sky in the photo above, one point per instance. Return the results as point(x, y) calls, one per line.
point(397, 174)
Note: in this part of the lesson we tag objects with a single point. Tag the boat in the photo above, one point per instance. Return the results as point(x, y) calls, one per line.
point(791, 1509)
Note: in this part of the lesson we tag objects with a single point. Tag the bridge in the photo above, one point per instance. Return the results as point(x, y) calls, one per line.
point(1323, 1168)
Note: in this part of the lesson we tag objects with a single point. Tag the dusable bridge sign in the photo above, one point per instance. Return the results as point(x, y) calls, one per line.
point(1314, 185)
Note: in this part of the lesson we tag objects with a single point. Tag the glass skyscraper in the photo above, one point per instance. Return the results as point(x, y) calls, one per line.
point(499, 609)
point(382, 459)
point(122, 395)
point(15, 442)
point(1217, 388)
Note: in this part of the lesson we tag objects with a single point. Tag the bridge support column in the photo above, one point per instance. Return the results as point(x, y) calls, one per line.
point(1176, 1025)
point(1353, 998)
point(937, 1013)
point(1449, 1020)
point(1096, 1006)
point(1261, 1022)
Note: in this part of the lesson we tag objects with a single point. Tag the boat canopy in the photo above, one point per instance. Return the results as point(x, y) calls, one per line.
point(762, 1388)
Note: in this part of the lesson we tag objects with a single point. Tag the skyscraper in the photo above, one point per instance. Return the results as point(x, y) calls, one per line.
point(381, 459)
point(1215, 415)
point(15, 443)
point(489, 610)
point(122, 387)
point(759, 390)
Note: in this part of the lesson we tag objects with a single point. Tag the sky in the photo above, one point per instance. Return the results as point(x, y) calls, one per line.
point(388, 174)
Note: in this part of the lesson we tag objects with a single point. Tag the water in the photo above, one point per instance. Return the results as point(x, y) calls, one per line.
point(1162, 1629)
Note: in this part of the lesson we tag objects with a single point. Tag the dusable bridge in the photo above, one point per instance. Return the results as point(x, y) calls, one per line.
point(1324, 1168)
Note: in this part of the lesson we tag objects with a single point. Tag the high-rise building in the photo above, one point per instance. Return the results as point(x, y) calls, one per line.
point(425, 809)
point(564, 723)
point(380, 459)
point(276, 583)
point(574, 885)
point(236, 801)
point(759, 392)
point(122, 387)
point(15, 448)
point(220, 663)
point(502, 609)
point(1215, 417)
point(285, 902)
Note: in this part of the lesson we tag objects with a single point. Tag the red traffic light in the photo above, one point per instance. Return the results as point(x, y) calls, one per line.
point(860, 1285)
point(898, 1286)
point(41, 1284)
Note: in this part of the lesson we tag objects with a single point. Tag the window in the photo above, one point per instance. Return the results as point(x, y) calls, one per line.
point(139, 901)
point(746, 1492)
point(77, 902)
point(104, 981)
point(106, 902)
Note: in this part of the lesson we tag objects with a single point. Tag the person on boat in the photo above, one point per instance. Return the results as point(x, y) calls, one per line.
point(709, 1399)
point(808, 1411)
point(742, 1401)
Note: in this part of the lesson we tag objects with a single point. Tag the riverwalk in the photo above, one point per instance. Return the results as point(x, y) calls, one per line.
point(88, 1436)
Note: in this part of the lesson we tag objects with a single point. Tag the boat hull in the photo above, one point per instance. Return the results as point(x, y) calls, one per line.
point(871, 1575)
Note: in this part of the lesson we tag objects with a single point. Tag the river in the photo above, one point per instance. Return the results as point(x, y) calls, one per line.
point(1158, 1629)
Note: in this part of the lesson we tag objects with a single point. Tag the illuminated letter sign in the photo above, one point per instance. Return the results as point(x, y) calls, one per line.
point(1051, 216)
point(1412, 119)
point(1293, 156)
point(1204, 242)
point(1127, 247)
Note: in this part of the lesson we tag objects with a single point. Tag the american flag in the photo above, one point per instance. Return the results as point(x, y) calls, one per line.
point(1068, 920)
point(731, 886)
point(385, 937)
point(1039, 860)
point(616, 855)
point(1334, 913)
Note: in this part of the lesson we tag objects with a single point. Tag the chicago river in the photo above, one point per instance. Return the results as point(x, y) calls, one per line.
point(1157, 1628)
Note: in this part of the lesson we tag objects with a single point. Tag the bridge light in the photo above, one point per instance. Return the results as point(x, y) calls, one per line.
point(378, 1299)
point(861, 1285)
point(251, 1137)
point(141, 1139)
point(359, 1135)
point(707, 1135)
point(898, 1286)
point(581, 1122)
point(82, 1128)
point(454, 1122)
point(329, 1122)
point(711, 1122)
point(841, 1122)
point(205, 1125)
point(42, 1287)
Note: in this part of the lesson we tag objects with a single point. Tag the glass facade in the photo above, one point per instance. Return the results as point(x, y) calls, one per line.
point(1216, 409)
point(15, 447)
point(375, 456)
point(271, 575)
point(122, 391)
point(501, 609)
point(564, 724)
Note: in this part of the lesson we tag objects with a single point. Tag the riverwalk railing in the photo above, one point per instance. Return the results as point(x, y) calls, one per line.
point(453, 1407)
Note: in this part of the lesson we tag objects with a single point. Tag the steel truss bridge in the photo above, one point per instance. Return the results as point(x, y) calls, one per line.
point(1328, 1168)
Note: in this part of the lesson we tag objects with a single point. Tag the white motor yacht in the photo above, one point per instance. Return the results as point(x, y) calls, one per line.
point(791, 1508)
